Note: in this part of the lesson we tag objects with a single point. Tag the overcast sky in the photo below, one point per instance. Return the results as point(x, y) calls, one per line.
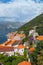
point(20, 10)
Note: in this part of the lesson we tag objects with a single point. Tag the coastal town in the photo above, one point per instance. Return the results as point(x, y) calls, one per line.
point(14, 46)
point(21, 32)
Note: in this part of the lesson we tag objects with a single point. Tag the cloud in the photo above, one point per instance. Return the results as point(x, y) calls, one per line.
point(20, 10)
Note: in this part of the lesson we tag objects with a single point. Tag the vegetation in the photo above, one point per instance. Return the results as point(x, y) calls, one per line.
point(38, 21)
point(37, 55)
point(12, 60)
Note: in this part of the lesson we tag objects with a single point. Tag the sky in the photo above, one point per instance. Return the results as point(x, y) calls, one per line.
point(20, 10)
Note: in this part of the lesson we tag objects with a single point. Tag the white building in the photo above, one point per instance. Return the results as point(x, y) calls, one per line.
point(34, 33)
point(31, 32)
point(6, 50)
point(19, 50)
point(17, 37)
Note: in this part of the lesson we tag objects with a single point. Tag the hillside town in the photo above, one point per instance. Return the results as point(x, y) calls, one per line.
point(14, 46)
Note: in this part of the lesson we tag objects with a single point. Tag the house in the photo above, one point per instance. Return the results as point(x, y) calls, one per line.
point(40, 38)
point(19, 49)
point(6, 50)
point(32, 49)
point(11, 43)
point(25, 63)
point(35, 35)
point(12, 46)
point(16, 43)
point(31, 32)
point(11, 35)
point(22, 36)
point(17, 37)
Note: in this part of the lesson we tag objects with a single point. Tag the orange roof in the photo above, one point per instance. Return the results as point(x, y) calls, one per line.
point(40, 38)
point(6, 42)
point(24, 63)
point(32, 49)
point(11, 42)
point(11, 37)
point(21, 46)
point(20, 35)
point(6, 48)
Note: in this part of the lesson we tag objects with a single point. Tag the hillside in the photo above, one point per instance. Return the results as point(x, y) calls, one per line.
point(38, 21)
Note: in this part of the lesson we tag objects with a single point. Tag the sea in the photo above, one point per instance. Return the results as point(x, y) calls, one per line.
point(3, 36)
point(6, 27)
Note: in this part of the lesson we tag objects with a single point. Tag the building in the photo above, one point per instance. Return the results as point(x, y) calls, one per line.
point(40, 38)
point(17, 38)
point(12, 46)
point(19, 49)
point(24, 63)
point(32, 49)
point(22, 36)
point(6, 50)
point(31, 32)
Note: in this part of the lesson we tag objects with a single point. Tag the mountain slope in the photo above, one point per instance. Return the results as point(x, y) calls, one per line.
point(6, 27)
point(38, 21)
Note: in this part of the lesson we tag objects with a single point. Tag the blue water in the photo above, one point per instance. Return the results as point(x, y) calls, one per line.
point(3, 38)
point(3, 35)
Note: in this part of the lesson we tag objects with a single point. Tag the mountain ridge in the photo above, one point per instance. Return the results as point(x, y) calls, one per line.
point(37, 21)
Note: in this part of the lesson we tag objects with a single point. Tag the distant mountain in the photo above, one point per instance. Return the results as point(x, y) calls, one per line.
point(37, 21)
point(6, 27)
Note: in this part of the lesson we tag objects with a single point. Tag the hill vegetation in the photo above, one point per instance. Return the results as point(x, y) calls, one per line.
point(37, 21)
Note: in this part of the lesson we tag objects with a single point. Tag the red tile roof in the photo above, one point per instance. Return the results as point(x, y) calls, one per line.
point(21, 46)
point(11, 42)
point(32, 49)
point(6, 48)
point(24, 63)
point(20, 35)
point(40, 38)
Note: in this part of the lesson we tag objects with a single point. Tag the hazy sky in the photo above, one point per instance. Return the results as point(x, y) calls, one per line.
point(20, 10)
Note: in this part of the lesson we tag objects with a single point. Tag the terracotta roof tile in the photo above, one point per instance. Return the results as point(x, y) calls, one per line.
point(6, 48)
point(21, 46)
point(32, 49)
point(24, 63)
point(20, 35)
point(11, 42)
point(40, 38)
